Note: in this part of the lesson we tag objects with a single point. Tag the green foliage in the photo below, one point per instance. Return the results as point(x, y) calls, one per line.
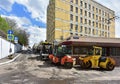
point(21, 34)
point(4, 25)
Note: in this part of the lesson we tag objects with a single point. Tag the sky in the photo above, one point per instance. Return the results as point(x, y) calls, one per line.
point(31, 15)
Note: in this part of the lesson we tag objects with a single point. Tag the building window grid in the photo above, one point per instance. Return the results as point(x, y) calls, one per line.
point(96, 10)
point(71, 8)
point(76, 9)
point(81, 12)
point(71, 17)
point(81, 29)
point(76, 1)
point(89, 14)
point(85, 21)
point(85, 5)
point(81, 3)
point(81, 20)
point(76, 28)
point(89, 7)
point(76, 18)
point(85, 13)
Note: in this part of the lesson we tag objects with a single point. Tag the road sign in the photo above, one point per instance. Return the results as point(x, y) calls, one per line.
point(10, 31)
point(10, 37)
point(16, 39)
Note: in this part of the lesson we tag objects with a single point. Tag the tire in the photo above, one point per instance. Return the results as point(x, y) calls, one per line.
point(88, 65)
point(68, 65)
point(110, 66)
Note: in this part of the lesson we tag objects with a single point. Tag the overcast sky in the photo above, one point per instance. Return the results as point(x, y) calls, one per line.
point(31, 14)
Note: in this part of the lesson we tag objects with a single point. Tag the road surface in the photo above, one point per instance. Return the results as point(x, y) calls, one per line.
point(28, 69)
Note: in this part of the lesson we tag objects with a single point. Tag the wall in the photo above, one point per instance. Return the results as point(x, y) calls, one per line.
point(5, 47)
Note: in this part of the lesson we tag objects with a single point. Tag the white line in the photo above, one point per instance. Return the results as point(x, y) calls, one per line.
point(10, 60)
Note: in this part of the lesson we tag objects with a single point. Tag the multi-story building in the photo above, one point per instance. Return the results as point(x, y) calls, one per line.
point(79, 17)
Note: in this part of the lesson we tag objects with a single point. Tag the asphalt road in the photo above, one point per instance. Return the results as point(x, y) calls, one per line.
point(28, 69)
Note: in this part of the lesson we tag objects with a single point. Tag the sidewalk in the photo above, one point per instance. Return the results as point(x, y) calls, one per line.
point(7, 60)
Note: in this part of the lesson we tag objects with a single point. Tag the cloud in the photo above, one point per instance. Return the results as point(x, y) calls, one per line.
point(6, 4)
point(19, 20)
point(36, 7)
point(36, 34)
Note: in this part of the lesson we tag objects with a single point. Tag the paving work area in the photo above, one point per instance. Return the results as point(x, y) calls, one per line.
point(28, 69)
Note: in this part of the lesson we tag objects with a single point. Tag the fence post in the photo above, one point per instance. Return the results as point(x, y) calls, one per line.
point(1, 47)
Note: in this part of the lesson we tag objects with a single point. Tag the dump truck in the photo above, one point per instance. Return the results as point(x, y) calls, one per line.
point(94, 59)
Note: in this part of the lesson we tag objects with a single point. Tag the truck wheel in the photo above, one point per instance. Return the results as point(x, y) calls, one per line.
point(88, 65)
point(68, 65)
point(110, 66)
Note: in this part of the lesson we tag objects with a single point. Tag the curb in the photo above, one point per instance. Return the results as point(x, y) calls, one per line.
point(11, 60)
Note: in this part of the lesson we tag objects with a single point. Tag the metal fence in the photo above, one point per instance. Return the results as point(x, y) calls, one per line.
point(7, 48)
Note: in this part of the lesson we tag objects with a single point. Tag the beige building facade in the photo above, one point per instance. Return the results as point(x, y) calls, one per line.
point(78, 17)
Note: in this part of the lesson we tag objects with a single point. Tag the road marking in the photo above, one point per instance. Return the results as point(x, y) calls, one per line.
point(11, 60)
point(106, 78)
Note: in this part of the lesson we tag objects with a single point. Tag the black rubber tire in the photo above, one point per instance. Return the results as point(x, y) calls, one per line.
point(110, 66)
point(88, 65)
point(68, 65)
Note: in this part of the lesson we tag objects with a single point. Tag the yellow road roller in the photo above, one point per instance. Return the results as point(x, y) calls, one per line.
point(94, 59)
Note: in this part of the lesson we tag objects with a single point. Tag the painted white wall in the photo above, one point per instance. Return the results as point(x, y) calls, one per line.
point(5, 47)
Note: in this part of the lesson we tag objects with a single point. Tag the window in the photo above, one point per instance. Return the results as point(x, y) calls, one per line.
point(81, 20)
point(89, 31)
point(85, 13)
point(89, 14)
point(93, 23)
point(96, 24)
point(85, 30)
point(99, 25)
point(103, 13)
point(71, 27)
point(81, 12)
point(96, 17)
point(103, 20)
point(103, 26)
point(102, 33)
point(93, 31)
point(96, 32)
point(71, 1)
point(85, 21)
point(81, 29)
point(76, 27)
point(96, 10)
point(99, 11)
point(85, 5)
point(81, 3)
point(105, 34)
point(99, 18)
point(108, 28)
point(76, 1)
point(89, 22)
point(93, 16)
point(76, 9)
point(89, 7)
point(71, 17)
point(76, 18)
point(93, 8)
point(71, 8)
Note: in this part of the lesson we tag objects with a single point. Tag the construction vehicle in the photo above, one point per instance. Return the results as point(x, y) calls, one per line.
point(45, 50)
point(60, 56)
point(96, 60)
